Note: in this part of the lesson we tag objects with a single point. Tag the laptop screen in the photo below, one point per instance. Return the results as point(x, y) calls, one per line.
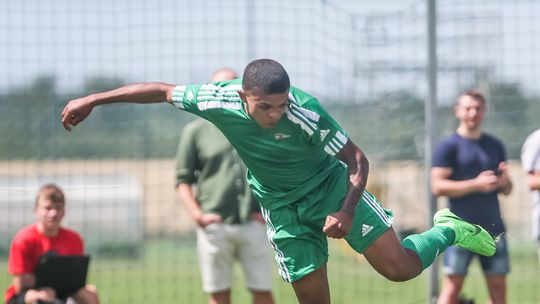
point(64, 273)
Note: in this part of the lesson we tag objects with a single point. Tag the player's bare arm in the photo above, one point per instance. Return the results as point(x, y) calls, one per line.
point(152, 92)
point(339, 224)
point(358, 170)
point(442, 185)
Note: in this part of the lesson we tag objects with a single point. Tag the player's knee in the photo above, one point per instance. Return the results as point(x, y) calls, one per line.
point(396, 271)
point(396, 277)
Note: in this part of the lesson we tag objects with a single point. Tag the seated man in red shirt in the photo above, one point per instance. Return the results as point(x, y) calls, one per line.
point(46, 236)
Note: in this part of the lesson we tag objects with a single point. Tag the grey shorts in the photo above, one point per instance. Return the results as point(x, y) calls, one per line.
point(220, 245)
point(457, 260)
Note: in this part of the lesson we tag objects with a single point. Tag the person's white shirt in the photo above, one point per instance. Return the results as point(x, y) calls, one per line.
point(530, 161)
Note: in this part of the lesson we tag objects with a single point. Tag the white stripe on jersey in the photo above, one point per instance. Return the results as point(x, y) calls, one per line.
point(178, 96)
point(332, 145)
point(304, 115)
point(308, 121)
point(341, 137)
point(211, 91)
point(211, 96)
point(328, 150)
point(312, 116)
point(298, 121)
point(228, 95)
point(291, 98)
point(213, 87)
point(179, 89)
point(206, 105)
point(234, 87)
point(337, 143)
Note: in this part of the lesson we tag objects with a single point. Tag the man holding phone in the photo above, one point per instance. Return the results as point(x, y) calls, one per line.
point(469, 167)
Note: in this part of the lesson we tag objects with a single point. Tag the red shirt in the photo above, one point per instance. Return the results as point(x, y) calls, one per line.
point(29, 244)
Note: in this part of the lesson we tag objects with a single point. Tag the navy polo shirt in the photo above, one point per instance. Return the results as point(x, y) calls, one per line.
point(467, 158)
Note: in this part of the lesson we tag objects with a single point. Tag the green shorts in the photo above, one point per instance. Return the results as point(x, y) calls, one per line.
point(301, 247)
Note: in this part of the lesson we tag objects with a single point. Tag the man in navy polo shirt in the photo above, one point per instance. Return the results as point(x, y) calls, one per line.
point(469, 167)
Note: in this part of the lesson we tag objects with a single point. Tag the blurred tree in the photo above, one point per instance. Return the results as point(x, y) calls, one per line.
point(390, 127)
point(507, 116)
point(27, 115)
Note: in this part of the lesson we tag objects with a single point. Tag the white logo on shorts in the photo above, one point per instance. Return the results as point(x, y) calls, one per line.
point(366, 229)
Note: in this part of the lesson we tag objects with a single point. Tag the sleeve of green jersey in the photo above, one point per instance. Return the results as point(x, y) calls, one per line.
point(208, 101)
point(328, 134)
point(185, 97)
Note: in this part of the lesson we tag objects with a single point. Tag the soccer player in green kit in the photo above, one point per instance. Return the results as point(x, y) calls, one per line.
point(308, 176)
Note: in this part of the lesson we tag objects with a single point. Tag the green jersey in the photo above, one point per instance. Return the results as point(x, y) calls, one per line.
point(295, 158)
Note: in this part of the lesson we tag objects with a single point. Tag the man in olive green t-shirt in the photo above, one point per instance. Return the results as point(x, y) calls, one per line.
point(230, 223)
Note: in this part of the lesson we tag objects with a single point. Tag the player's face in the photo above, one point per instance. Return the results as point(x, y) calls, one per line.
point(470, 112)
point(49, 213)
point(266, 110)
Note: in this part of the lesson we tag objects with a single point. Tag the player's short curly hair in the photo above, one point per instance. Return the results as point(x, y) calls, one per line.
point(51, 192)
point(265, 76)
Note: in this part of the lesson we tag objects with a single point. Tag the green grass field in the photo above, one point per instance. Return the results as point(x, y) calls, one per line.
point(168, 273)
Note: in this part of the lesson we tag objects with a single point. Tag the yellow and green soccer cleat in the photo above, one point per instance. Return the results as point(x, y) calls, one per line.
point(469, 236)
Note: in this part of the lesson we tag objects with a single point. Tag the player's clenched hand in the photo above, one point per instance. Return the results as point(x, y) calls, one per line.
point(207, 219)
point(76, 111)
point(338, 224)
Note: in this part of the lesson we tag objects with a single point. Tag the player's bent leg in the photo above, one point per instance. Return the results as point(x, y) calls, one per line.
point(262, 297)
point(448, 230)
point(220, 297)
point(451, 288)
point(86, 295)
point(313, 288)
point(372, 235)
point(497, 288)
point(389, 258)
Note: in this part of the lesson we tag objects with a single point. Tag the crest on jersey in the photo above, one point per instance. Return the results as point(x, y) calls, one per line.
point(281, 136)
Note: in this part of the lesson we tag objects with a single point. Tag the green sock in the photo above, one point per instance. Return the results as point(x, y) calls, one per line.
point(429, 244)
